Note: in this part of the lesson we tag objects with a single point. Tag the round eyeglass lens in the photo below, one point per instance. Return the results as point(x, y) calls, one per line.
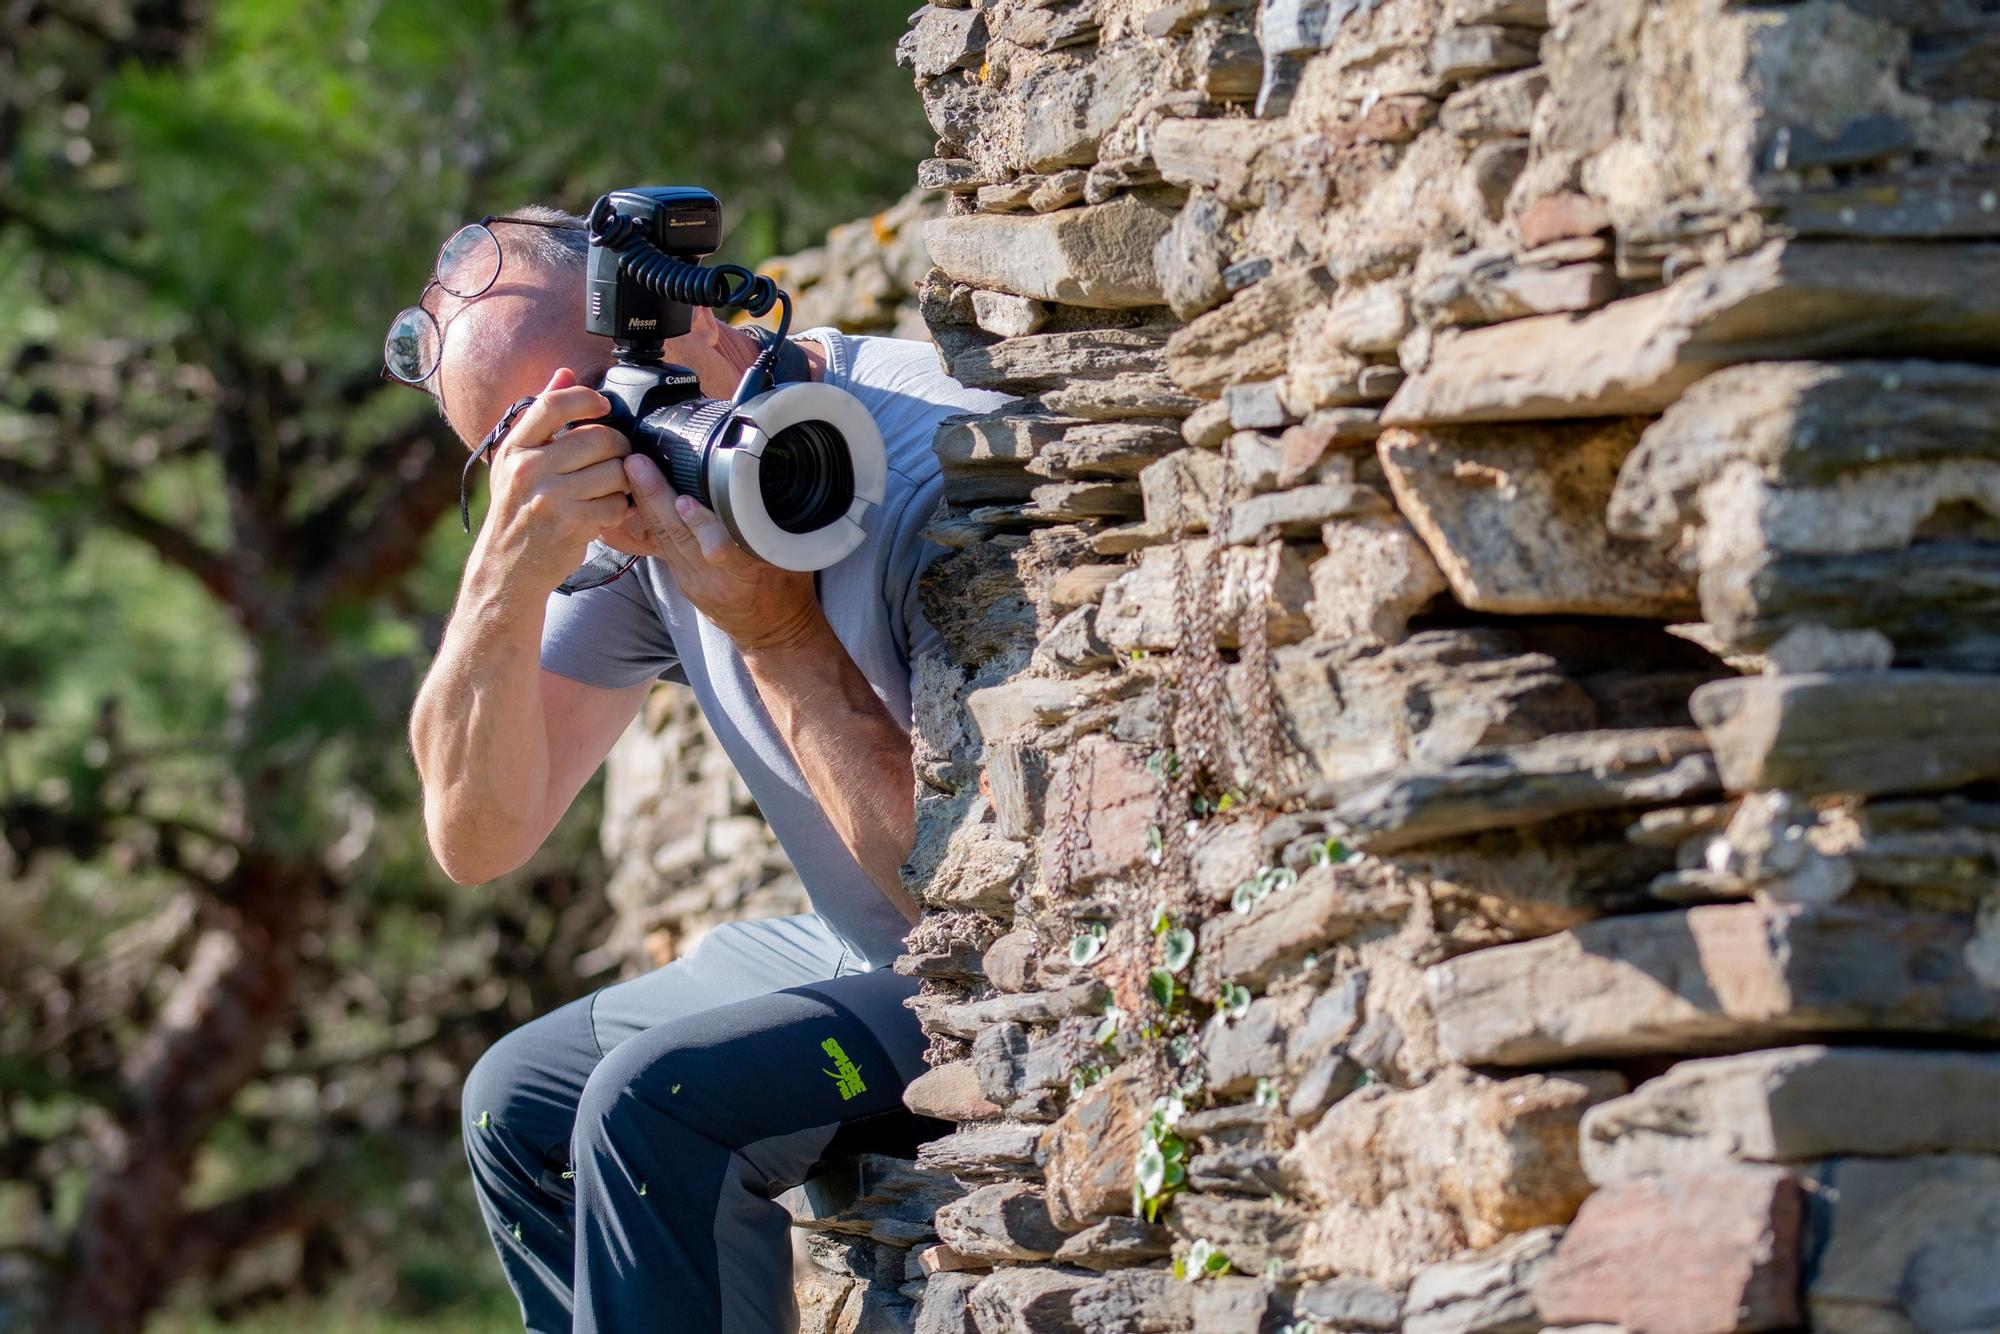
point(469, 262)
point(411, 349)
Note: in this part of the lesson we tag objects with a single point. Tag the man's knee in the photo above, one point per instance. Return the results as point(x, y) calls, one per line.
point(526, 1083)
point(618, 1100)
point(494, 1083)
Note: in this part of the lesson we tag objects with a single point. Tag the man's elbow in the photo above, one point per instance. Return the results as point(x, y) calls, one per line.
point(471, 860)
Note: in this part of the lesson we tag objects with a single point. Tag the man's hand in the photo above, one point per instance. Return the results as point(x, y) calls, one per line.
point(755, 603)
point(555, 488)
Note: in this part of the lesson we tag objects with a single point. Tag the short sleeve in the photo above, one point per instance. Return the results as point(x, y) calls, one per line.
point(910, 553)
point(610, 636)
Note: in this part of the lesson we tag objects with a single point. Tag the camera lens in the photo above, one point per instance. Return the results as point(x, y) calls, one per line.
point(807, 479)
point(799, 499)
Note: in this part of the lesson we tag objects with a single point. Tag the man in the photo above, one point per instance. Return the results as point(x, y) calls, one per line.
point(626, 1147)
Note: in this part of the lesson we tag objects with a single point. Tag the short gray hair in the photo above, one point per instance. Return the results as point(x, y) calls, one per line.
point(561, 246)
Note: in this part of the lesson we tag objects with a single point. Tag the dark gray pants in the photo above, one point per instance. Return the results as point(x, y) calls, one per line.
point(627, 1147)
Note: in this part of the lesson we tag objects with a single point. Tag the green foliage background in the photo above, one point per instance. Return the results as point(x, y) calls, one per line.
point(207, 214)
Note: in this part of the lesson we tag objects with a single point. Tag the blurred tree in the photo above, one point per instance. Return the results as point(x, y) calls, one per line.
point(233, 985)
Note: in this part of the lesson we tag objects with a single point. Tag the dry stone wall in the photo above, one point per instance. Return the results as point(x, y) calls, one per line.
point(1460, 791)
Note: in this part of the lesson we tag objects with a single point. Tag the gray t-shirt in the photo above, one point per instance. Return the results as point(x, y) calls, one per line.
point(641, 627)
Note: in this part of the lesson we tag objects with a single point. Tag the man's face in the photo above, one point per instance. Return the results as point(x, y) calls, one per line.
point(505, 344)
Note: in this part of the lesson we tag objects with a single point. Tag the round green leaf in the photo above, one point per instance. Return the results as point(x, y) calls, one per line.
point(1151, 1169)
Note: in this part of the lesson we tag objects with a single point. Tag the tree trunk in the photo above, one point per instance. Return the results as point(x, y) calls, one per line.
point(179, 1081)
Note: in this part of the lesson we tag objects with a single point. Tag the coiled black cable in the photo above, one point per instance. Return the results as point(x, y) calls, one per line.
point(693, 284)
point(677, 279)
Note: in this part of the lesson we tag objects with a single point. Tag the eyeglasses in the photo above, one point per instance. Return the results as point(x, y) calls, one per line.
point(467, 266)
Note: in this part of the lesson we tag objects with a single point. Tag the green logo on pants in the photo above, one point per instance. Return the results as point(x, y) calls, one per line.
point(844, 1071)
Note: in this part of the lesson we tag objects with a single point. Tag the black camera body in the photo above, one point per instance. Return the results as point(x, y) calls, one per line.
point(684, 222)
point(792, 470)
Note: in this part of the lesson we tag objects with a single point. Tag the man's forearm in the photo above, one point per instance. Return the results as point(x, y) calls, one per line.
point(853, 754)
point(480, 739)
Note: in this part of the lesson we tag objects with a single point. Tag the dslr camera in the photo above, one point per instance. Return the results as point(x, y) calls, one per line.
point(790, 469)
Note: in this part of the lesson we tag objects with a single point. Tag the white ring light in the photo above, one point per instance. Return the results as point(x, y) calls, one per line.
point(735, 474)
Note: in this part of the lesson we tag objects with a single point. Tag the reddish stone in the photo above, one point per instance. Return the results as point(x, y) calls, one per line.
point(1698, 1253)
point(1558, 217)
point(1091, 1149)
point(1114, 802)
point(1300, 449)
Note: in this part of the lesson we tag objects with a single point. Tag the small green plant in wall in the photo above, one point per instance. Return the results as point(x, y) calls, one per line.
point(1261, 886)
point(1330, 853)
point(1221, 805)
point(1087, 943)
point(1107, 1027)
point(1084, 1077)
point(1176, 941)
point(1161, 1166)
point(1204, 1259)
point(1232, 1001)
point(1176, 952)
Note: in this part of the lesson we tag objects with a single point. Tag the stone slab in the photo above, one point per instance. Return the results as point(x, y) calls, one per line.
point(1791, 299)
point(1105, 789)
point(1047, 360)
point(1325, 906)
point(1090, 1149)
point(1027, 1301)
point(1717, 978)
point(1906, 1244)
point(1705, 1253)
point(1116, 1242)
point(1143, 609)
point(1430, 699)
point(946, 1305)
point(1098, 256)
point(1853, 732)
point(1515, 516)
point(1247, 337)
point(1509, 786)
point(949, 1092)
point(982, 1152)
point(1008, 1220)
point(1485, 1292)
point(1794, 1105)
point(1135, 1301)
point(1803, 423)
point(1407, 1178)
point(1935, 604)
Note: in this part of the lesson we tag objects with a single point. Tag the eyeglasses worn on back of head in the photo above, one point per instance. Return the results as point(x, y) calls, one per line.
point(467, 266)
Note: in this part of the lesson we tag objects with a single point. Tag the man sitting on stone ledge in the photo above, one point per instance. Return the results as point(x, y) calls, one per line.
point(626, 1147)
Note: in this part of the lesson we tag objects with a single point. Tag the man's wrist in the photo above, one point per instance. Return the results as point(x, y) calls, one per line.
point(784, 637)
point(497, 605)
